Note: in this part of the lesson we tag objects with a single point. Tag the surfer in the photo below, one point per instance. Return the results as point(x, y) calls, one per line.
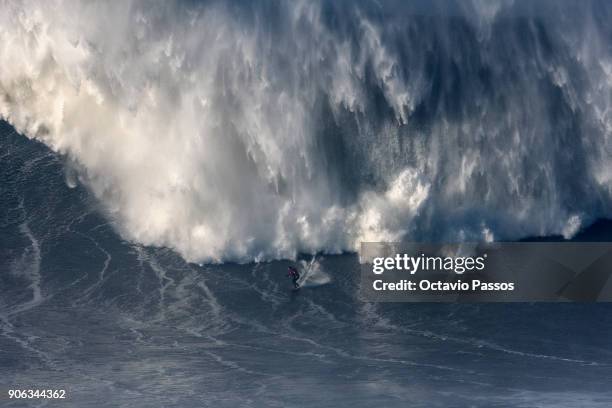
point(295, 275)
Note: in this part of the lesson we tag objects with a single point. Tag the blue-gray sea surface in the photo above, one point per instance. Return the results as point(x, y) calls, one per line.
point(118, 324)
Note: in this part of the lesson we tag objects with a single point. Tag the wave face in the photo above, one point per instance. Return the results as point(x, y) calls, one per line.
point(249, 131)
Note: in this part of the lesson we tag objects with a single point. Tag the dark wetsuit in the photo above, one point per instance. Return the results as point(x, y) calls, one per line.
point(295, 276)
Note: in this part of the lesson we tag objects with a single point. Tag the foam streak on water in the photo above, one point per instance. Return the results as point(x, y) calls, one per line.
point(117, 324)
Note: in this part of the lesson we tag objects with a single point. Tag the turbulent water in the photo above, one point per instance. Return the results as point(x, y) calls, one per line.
point(118, 324)
point(151, 151)
point(238, 131)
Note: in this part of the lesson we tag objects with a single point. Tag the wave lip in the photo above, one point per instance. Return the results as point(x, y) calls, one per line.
point(232, 133)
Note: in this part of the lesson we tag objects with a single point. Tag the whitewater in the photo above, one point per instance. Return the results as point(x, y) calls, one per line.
point(238, 132)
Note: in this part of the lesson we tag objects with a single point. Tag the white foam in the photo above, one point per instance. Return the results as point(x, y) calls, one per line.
point(312, 274)
point(29, 267)
point(198, 127)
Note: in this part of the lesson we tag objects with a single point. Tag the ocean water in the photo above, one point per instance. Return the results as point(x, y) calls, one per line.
point(119, 324)
point(240, 131)
point(161, 164)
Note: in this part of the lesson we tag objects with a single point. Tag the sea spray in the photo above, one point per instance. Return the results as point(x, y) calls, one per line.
point(235, 131)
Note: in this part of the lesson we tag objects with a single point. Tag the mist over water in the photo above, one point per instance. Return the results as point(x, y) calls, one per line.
point(249, 131)
point(226, 131)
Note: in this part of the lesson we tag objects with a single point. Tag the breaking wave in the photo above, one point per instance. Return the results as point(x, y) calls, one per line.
point(257, 130)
